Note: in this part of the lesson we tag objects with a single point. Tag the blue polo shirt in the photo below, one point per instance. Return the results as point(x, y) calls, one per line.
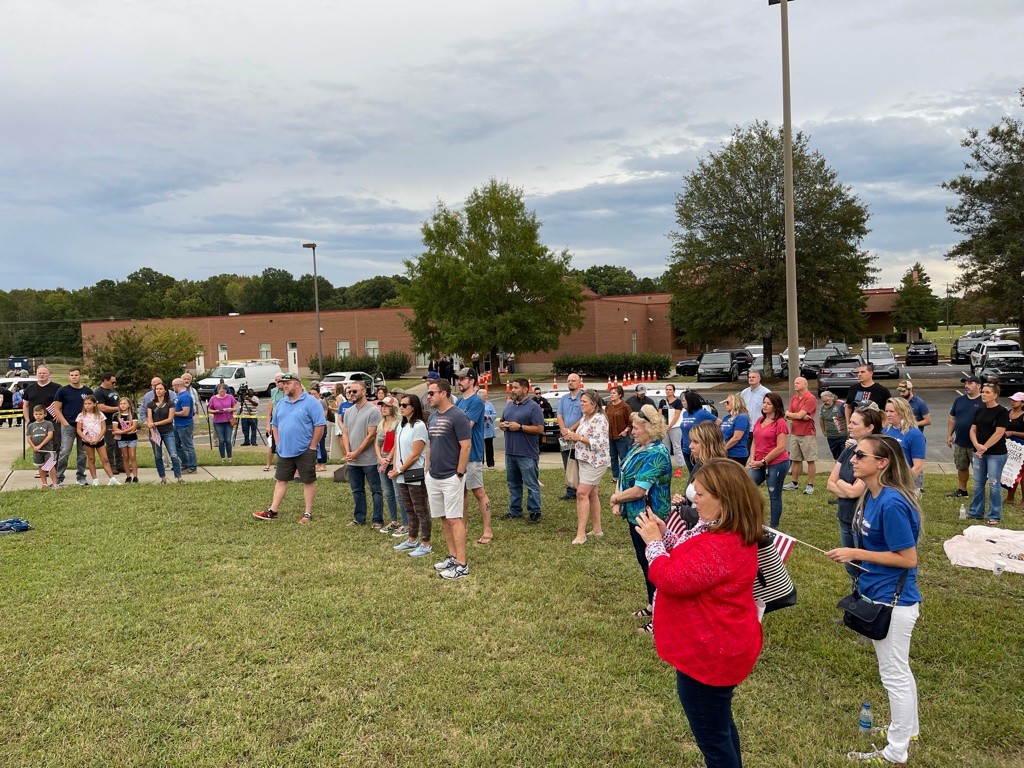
point(570, 409)
point(520, 443)
point(295, 422)
point(184, 400)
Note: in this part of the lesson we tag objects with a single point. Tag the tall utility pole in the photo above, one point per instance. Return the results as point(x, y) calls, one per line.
point(316, 304)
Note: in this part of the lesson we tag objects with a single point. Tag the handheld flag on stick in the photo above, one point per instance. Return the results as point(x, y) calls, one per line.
point(791, 541)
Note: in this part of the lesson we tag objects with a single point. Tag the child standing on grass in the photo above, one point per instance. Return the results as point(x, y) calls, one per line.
point(126, 430)
point(40, 435)
point(91, 426)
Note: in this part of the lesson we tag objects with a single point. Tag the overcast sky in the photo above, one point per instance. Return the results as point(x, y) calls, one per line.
point(205, 137)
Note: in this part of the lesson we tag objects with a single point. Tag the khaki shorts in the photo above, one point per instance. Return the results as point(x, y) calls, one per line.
point(474, 475)
point(803, 447)
point(445, 496)
point(962, 457)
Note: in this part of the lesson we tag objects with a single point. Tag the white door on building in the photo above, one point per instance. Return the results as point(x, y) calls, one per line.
point(200, 362)
point(293, 357)
point(222, 352)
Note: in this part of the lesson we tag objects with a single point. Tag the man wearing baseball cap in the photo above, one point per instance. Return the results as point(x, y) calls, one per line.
point(922, 416)
point(424, 400)
point(639, 399)
point(958, 432)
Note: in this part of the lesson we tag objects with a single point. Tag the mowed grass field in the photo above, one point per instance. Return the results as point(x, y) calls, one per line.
point(163, 626)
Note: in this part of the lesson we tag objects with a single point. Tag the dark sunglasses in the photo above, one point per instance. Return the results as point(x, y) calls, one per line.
point(405, 405)
point(643, 416)
point(860, 456)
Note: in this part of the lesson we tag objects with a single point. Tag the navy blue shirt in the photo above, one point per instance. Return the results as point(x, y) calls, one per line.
point(963, 412)
point(518, 443)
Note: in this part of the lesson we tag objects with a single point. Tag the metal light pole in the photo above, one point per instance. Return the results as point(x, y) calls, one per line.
point(792, 329)
point(316, 303)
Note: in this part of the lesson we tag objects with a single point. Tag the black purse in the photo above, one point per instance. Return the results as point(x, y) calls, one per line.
point(866, 617)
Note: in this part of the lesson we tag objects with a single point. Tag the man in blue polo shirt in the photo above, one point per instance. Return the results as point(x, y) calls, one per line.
point(184, 419)
point(569, 416)
point(958, 432)
point(298, 424)
point(522, 421)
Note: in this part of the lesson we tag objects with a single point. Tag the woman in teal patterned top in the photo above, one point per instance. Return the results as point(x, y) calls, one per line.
point(645, 481)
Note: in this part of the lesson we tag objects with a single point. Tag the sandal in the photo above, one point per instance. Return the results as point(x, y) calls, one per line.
point(484, 540)
point(643, 613)
point(646, 629)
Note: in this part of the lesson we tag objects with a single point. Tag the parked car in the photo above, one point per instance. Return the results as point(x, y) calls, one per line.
point(800, 352)
point(257, 375)
point(984, 349)
point(838, 373)
point(922, 352)
point(721, 366)
point(780, 366)
point(884, 362)
point(688, 367)
point(960, 352)
point(1006, 333)
point(1007, 368)
point(743, 357)
point(344, 377)
point(813, 360)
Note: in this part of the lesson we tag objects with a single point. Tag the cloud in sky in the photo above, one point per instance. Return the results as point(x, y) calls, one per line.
point(204, 138)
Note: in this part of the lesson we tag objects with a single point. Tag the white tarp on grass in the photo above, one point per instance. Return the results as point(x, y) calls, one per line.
point(980, 546)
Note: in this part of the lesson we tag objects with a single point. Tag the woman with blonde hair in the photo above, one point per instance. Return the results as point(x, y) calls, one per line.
point(901, 426)
point(735, 427)
point(593, 458)
point(705, 619)
point(384, 445)
point(887, 525)
point(645, 481)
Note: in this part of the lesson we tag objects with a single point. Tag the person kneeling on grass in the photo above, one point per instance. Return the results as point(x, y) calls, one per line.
point(297, 424)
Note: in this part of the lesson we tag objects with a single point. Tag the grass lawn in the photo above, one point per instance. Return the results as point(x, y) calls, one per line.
point(163, 626)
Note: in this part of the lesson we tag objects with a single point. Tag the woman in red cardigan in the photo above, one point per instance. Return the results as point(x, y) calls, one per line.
point(705, 619)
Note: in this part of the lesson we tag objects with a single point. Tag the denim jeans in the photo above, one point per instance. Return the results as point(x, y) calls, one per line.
point(619, 448)
point(186, 448)
point(708, 708)
point(168, 442)
point(393, 497)
point(248, 431)
point(520, 471)
point(69, 439)
point(775, 474)
point(223, 430)
point(356, 475)
point(987, 469)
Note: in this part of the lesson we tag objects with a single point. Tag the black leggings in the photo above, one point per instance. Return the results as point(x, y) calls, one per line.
point(641, 557)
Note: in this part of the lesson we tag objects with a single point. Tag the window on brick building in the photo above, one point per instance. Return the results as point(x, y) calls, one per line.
point(371, 347)
point(222, 352)
point(264, 350)
point(344, 349)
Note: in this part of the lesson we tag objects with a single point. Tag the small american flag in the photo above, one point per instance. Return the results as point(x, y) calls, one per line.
point(155, 437)
point(675, 523)
point(51, 462)
point(783, 544)
point(52, 410)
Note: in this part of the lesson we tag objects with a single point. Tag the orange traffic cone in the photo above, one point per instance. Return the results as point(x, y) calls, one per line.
point(508, 389)
point(554, 384)
point(609, 386)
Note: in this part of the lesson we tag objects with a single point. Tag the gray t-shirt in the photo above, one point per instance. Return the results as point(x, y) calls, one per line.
point(447, 430)
point(358, 422)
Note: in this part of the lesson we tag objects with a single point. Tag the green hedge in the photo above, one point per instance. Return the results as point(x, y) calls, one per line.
point(614, 364)
point(393, 365)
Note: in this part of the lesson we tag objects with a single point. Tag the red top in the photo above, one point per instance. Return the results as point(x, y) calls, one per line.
point(808, 403)
point(766, 439)
point(389, 441)
point(705, 619)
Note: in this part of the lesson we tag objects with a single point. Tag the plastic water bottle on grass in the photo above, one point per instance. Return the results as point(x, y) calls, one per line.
point(963, 512)
point(867, 719)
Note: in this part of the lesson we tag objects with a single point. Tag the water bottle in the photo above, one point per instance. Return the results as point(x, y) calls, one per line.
point(867, 719)
point(963, 512)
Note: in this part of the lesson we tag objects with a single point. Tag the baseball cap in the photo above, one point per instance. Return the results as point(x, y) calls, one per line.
point(432, 375)
point(1017, 397)
point(467, 373)
point(389, 401)
point(905, 385)
point(289, 377)
point(640, 388)
point(968, 379)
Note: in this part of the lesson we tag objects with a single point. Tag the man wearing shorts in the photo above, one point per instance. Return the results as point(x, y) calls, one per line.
point(803, 441)
point(297, 425)
point(958, 432)
point(472, 405)
point(450, 443)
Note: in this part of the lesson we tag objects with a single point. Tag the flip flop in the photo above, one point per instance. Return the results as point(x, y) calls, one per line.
point(643, 613)
point(266, 469)
point(484, 540)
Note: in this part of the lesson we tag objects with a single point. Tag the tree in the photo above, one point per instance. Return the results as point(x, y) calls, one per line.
point(916, 305)
point(990, 215)
point(139, 353)
point(727, 268)
point(486, 282)
point(608, 280)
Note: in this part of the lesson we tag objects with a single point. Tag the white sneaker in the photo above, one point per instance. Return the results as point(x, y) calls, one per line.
point(113, 481)
point(809, 490)
point(455, 572)
point(95, 481)
point(444, 565)
point(791, 486)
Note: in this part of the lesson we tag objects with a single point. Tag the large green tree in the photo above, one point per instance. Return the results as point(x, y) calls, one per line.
point(916, 306)
point(727, 268)
point(990, 216)
point(486, 283)
point(138, 353)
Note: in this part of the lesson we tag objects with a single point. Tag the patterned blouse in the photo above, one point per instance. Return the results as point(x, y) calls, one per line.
point(595, 429)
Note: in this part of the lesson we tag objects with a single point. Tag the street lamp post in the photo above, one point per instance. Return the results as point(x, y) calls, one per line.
point(316, 304)
point(792, 328)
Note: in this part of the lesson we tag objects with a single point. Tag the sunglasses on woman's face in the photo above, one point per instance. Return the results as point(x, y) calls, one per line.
point(860, 456)
point(404, 405)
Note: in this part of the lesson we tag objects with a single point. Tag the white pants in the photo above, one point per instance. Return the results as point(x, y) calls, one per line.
point(894, 667)
point(674, 440)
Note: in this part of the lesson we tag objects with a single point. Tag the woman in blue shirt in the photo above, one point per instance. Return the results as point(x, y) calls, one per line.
point(735, 428)
point(886, 526)
point(693, 412)
point(900, 426)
